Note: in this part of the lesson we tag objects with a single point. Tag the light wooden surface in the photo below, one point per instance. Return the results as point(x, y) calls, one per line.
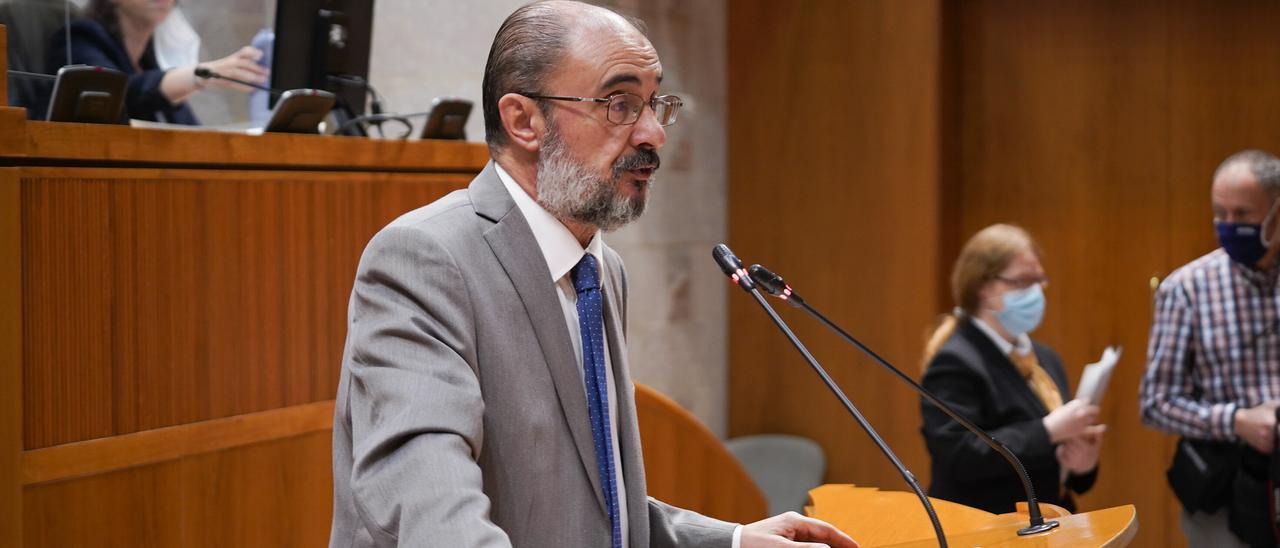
point(122, 145)
point(687, 466)
point(896, 518)
point(10, 357)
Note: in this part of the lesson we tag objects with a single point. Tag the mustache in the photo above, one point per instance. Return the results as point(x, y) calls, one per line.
point(642, 158)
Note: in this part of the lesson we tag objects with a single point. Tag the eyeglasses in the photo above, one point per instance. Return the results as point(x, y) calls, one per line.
point(1023, 283)
point(624, 108)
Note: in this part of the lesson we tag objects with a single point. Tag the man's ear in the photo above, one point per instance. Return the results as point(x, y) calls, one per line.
point(522, 120)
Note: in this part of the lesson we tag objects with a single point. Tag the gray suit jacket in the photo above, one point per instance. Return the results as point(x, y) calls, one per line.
point(461, 417)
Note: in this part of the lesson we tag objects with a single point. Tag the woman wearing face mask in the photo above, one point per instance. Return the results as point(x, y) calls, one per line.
point(982, 362)
point(118, 34)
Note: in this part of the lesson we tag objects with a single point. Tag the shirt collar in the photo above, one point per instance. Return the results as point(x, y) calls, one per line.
point(1022, 346)
point(1260, 278)
point(559, 247)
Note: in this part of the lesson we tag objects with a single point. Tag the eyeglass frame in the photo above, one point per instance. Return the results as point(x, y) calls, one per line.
point(651, 103)
point(1042, 281)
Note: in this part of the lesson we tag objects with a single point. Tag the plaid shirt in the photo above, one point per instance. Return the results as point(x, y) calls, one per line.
point(1214, 348)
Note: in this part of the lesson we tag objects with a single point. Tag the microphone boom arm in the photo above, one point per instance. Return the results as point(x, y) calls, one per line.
point(775, 286)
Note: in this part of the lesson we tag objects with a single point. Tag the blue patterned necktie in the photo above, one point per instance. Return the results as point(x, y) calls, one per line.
point(586, 281)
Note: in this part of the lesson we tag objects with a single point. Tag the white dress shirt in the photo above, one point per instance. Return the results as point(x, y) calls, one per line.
point(1023, 345)
point(562, 251)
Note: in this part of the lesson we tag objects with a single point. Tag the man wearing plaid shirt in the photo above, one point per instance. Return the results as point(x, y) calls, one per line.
point(1213, 365)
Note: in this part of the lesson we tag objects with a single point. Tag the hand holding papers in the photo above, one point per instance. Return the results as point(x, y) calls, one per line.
point(1096, 376)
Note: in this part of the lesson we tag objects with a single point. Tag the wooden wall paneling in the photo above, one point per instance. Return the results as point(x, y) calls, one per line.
point(1065, 119)
point(266, 495)
point(10, 356)
point(193, 294)
point(1222, 99)
point(834, 113)
point(68, 323)
point(141, 506)
point(103, 455)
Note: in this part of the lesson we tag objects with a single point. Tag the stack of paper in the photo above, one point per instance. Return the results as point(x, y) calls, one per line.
point(1093, 383)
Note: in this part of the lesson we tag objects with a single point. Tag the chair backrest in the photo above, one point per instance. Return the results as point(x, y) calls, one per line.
point(687, 466)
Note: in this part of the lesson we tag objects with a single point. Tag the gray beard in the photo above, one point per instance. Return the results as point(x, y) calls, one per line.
point(570, 191)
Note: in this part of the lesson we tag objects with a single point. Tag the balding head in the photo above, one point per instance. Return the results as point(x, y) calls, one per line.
point(529, 46)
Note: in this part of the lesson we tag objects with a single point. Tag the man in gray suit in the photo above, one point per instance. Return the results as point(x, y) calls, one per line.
point(485, 397)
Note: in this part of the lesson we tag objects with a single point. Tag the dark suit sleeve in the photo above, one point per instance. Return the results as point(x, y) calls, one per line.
point(415, 402)
point(964, 388)
point(1082, 483)
point(91, 45)
point(671, 527)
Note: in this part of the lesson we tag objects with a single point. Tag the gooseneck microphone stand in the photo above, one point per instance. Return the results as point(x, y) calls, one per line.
point(774, 285)
point(733, 268)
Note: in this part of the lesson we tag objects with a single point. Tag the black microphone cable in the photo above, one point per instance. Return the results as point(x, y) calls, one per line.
point(733, 268)
point(774, 285)
point(205, 73)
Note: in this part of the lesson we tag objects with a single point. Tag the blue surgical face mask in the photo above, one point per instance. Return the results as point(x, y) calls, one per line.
point(1023, 310)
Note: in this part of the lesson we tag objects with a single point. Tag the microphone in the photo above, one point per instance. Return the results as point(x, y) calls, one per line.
point(774, 285)
point(205, 73)
point(732, 267)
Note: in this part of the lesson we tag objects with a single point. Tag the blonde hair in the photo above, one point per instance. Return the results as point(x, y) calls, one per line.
point(981, 260)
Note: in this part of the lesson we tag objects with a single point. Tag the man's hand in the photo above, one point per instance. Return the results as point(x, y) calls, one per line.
point(792, 530)
point(1079, 455)
point(1257, 426)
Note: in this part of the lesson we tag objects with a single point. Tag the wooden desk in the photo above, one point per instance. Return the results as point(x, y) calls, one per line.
point(172, 316)
point(894, 518)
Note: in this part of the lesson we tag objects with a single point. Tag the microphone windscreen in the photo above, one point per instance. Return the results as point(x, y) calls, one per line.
point(726, 259)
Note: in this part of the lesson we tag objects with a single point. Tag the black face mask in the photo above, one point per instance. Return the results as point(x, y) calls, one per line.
point(1245, 242)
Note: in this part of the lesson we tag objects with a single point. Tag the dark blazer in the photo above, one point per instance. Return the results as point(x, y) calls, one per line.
point(971, 374)
point(91, 44)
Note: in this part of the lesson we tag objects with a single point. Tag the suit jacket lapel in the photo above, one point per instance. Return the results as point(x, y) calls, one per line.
point(628, 426)
point(1007, 370)
point(512, 242)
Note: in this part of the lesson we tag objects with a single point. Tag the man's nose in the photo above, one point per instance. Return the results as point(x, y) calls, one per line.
point(648, 133)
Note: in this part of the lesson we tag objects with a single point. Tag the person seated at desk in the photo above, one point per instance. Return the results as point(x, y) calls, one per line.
point(981, 362)
point(118, 34)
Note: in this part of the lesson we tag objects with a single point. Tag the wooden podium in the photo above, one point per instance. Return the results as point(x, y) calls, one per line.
point(895, 518)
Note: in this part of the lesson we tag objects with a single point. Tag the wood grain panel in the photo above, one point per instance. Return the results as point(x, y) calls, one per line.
point(134, 507)
point(270, 494)
point(1098, 126)
point(101, 143)
point(102, 455)
point(10, 356)
point(834, 161)
point(163, 297)
point(687, 466)
point(1065, 114)
point(1222, 99)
